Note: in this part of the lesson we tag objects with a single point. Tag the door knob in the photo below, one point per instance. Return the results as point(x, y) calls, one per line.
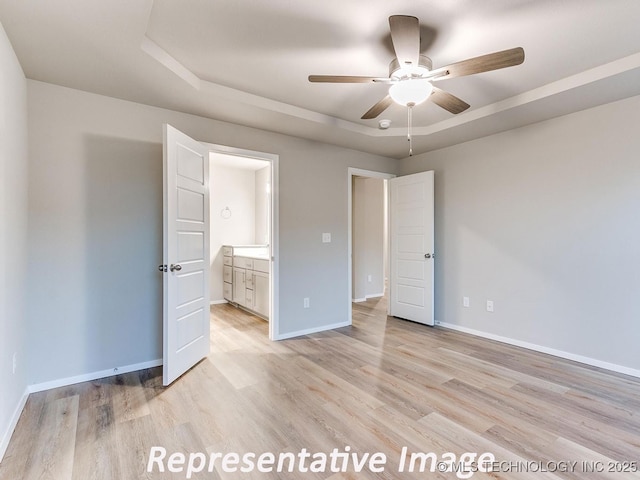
point(175, 267)
point(427, 255)
point(162, 268)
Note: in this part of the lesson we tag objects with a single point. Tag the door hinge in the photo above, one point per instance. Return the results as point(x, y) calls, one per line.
point(162, 268)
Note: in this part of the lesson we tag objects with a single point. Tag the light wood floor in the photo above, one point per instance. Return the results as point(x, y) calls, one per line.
point(377, 386)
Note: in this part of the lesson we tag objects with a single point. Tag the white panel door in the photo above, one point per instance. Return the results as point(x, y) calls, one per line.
point(185, 253)
point(411, 247)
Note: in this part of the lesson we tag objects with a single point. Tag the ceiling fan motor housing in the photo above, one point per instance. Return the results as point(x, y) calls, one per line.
point(397, 71)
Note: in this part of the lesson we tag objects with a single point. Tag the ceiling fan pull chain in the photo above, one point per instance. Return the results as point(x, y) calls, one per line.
point(409, 121)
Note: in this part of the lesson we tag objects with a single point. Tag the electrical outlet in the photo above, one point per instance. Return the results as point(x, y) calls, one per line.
point(15, 362)
point(489, 305)
point(326, 238)
point(369, 278)
point(306, 302)
point(465, 302)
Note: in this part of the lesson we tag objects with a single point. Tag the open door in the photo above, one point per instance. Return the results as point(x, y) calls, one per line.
point(411, 247)
point(185, 253)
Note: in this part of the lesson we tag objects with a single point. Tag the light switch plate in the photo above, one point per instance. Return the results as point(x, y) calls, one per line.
point(489, 305)
point(326, 238)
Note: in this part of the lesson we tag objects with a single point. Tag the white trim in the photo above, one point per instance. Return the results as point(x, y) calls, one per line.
point(367, 297)
point(218, 302)
point(159, 54)
point(353, 172)
point(374, 295)
point(309, 331)
point(370, 173)
point(6, 437)
point(274, 234)
point(87, 377)
point(549, 351)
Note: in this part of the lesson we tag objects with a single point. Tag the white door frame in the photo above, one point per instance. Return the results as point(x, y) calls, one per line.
point(358, 172)
point(274, 275)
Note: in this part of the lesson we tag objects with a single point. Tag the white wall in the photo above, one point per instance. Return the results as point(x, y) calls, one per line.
point(233, 188)
point(263, 201)
point(13, 238)
point(368, 237)
point(95, 232)
point(543, 220)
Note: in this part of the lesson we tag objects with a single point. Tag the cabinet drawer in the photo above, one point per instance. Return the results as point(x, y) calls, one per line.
point(249, 298)
point(243, 262)
point(227, 291)
point(227, 260)
point(261, 265)
point(227, 251)
point(227, 274)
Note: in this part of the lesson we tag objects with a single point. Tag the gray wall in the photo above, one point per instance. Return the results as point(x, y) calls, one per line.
point(544, 220)
point(13, 236)
point(368, 237)
point(95, 227)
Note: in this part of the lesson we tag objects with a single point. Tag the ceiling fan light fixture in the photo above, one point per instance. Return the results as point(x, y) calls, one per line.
point(410, 92)
point(397, 71)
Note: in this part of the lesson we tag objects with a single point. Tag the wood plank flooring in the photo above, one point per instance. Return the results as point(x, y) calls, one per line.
point(378, 386)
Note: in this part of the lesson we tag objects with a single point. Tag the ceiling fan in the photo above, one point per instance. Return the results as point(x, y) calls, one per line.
point(411, 74)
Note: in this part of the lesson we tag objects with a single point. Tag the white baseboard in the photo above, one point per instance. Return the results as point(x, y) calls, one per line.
point(375, 295)
point(6, 436)
point(87, 377)
point(367, 297)
point(309, 331)
point(217, 302)
point(63, 382)
point(549, 351)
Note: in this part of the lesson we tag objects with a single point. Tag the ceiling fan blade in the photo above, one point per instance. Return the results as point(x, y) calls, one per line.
point(344, 79)
point(483, 63)
point(378, 108)
point(448, 101)
point(405, 35)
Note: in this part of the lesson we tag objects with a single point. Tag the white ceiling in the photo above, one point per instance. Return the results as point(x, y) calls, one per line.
point(247, 61)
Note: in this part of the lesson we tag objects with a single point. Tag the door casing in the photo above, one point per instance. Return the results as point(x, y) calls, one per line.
point(351, 173)
point(273, 159)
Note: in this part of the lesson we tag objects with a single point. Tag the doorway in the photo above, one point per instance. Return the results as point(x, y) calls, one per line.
point(409, 240)
point(368, 235)
point(243, 201)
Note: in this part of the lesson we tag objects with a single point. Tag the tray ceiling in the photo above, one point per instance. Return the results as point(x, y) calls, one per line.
point(247, 61)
